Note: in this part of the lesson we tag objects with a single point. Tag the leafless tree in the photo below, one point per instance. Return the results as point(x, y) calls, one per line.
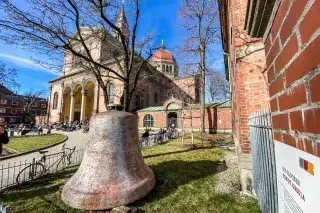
point(30, 98)
point(217, 85)
point(200, 20)
point(8, 77)
point(77, 28)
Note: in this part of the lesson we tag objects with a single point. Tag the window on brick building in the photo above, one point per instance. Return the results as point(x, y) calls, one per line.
point(55, 100)
point(148, 121)
point(43, 106)
point(110, 91)
point(15, 102)
point(13, 111)
point(2, 110)
point(3, 101)
point(155, 97)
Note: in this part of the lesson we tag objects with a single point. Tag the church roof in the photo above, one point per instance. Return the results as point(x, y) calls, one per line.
point(163, 54)
point(219, 104)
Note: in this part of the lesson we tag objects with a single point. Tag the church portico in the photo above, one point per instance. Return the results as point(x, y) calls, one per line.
point(72, 100)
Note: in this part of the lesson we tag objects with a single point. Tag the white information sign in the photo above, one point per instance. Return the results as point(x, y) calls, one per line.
point(298, 179)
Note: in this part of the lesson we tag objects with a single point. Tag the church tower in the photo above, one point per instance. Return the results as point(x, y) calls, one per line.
point(122, 23)
point(165, 62)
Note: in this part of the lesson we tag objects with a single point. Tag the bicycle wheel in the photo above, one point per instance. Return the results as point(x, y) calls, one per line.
point(27, 174)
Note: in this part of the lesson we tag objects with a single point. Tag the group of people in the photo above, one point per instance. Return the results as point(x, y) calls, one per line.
point(71, 126)
point(23, 129)
point(162, 135)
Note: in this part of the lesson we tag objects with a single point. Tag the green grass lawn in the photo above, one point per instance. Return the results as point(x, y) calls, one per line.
point(189, 176)
point(24, 144)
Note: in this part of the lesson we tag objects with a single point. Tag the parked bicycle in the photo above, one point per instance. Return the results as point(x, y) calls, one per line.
point(40, 167)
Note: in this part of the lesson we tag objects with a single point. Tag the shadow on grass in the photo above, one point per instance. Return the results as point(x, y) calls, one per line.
point(40, 187)
point(172, 174)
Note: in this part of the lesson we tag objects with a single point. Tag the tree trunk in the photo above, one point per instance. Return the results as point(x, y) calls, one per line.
point(191, 125)
point(202, 89)
point(182, 129)
point(126, 96)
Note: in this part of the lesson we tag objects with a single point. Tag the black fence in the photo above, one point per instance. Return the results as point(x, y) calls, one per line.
point(12, 174)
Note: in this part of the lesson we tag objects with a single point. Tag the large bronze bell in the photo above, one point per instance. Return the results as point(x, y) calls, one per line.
point(112, 172)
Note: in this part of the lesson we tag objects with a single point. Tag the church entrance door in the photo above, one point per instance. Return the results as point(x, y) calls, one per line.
point(172, 120)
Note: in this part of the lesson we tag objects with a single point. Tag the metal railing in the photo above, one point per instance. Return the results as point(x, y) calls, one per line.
point(27, 170)
point(263, 158)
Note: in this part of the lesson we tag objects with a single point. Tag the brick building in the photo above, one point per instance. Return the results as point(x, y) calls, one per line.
point(175, 113)
point(76, 95)
point(272, 59)
point(12, 108)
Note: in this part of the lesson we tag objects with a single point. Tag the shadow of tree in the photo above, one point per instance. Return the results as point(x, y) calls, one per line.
point(172, 174)
point(47, 184)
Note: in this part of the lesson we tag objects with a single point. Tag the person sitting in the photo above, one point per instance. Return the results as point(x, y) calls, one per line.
point(20, 128)
point(40, 130)
point(49, 130)
point(24, 130)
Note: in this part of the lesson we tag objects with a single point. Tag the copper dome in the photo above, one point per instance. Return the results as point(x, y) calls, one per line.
point(163, 54)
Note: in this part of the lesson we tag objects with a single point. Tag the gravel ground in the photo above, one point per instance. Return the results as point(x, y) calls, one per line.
point(228, 177)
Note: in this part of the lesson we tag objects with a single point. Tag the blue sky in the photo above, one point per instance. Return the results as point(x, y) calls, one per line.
point(159, 16)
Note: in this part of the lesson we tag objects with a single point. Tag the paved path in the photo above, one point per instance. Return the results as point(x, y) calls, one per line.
point(77, 139)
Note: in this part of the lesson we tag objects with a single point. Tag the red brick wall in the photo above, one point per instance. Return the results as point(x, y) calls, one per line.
point(248, 78)
point(215, 118)
point(293, 55)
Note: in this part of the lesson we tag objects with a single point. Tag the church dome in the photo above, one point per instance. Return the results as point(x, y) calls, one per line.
point(163, 54)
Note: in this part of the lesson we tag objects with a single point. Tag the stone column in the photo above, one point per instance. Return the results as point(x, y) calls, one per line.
point(83, 105)
point(71, 115)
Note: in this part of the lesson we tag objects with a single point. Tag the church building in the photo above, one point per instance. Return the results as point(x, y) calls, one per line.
point(76, 96)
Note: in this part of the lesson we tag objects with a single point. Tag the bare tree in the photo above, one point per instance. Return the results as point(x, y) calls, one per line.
point(78, 28)
point(8, 77)
point(30, 98)
point(200, 20)
point(217, 85)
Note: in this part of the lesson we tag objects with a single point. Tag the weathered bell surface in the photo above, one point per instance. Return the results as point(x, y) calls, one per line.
point(112, 172)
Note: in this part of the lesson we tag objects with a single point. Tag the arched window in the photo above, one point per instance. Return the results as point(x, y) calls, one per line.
point(110, 91)
point(138, 102)
point(148, 121)
point(155, 97)
point(170, 68)
point(163, 68)
point(55, 100)
point(167, 68)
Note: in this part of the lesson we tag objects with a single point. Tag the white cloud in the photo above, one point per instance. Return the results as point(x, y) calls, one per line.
point(25, 62)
